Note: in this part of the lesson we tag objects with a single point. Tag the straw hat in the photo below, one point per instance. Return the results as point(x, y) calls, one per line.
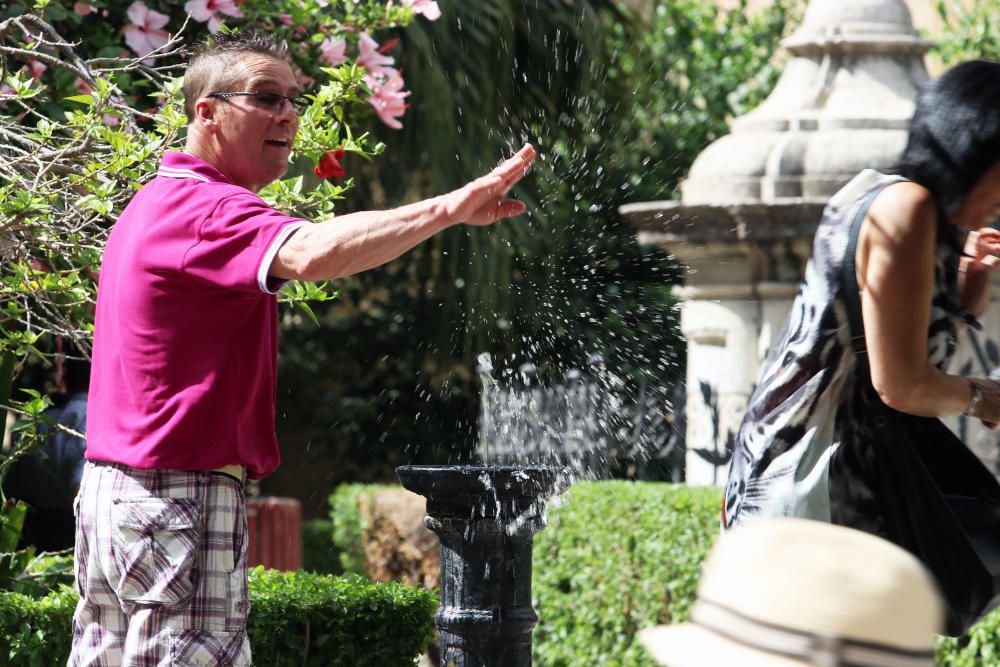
point(793, 593)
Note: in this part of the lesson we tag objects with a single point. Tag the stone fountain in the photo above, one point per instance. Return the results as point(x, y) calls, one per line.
point(751, 202)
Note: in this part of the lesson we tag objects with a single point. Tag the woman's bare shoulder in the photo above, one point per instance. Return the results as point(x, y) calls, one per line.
point(904, 208)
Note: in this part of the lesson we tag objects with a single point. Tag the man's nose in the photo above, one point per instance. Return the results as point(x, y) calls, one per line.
point(287, 113)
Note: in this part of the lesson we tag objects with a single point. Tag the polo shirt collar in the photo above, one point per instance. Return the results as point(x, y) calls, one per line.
point(182, 165)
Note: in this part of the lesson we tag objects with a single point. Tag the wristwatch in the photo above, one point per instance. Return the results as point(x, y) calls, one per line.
point(975, 401)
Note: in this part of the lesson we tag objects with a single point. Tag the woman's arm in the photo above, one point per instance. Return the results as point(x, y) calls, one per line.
point(895, 263)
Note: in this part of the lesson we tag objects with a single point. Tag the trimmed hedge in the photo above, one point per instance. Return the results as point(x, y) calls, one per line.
point(296, 618)
point(618, 557)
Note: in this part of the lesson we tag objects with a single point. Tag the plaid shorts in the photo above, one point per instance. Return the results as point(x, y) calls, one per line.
point(161, 569)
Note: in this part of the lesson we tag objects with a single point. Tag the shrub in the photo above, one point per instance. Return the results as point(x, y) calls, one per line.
point(979, 647)
point(38, 631)
point(296, 618)
point(615, 558)
point(302, 619)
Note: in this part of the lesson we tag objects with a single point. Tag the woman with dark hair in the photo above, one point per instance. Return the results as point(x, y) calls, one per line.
point(843, 426)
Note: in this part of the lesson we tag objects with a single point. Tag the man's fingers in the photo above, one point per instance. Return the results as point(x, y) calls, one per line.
point(497, 210)
point(516, 166)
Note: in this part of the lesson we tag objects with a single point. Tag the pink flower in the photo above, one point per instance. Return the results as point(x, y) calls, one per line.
point(370, 58)
point(210, 10)
point(6, 90)
point(35, 68)
point(285, 19)
point(333, 53)
point(429, 8)
point(387, 97)
point(143, 35)
point(83, 86)
point(82, 8)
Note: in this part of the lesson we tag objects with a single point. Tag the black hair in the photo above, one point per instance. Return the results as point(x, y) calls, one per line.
point(955, 132)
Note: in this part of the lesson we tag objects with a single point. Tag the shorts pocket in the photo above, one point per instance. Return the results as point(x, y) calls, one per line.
point(157, 540)
point(203, 648)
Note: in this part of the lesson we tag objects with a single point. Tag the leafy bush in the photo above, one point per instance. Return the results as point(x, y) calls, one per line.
point(38, 631)
point(295, 619)
point(615, 558)
point(336, 621)
point(979, 647)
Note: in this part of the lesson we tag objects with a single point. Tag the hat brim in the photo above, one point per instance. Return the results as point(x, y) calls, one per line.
point(689, 645)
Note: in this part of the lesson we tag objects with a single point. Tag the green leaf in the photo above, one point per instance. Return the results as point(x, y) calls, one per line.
point(82, 99)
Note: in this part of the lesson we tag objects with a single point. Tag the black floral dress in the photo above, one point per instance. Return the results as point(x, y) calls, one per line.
point(817, 443)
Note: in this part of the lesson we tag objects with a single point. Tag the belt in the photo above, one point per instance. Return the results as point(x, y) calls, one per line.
point(236, 471)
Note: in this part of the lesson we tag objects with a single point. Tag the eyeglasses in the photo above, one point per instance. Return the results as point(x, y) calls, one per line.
point(271, 102)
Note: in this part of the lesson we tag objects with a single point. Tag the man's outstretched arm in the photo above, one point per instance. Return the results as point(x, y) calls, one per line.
point(352, 243)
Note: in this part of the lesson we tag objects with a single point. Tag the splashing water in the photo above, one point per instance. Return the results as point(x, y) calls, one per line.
point(589, 422)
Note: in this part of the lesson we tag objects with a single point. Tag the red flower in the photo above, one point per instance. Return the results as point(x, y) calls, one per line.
point(329, 165)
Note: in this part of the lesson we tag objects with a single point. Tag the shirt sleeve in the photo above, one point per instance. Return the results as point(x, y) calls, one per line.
point(237, 242)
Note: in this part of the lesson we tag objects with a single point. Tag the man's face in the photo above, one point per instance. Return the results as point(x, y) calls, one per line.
point(255, 141)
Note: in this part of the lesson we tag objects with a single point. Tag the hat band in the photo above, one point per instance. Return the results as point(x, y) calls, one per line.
point(817, 649)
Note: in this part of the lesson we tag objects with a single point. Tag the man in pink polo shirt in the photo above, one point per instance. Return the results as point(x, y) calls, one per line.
point(181, 405)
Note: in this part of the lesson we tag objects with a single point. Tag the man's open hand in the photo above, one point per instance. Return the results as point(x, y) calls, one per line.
point(482, 201)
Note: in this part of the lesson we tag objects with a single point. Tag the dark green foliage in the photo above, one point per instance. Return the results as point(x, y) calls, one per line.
point(296, 619)
point(615, 558)
point(318, 553)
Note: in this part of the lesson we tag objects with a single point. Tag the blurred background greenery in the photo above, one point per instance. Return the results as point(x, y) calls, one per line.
point(619, 101)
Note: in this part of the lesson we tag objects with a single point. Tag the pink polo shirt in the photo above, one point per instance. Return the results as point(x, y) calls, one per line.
point(185, 340)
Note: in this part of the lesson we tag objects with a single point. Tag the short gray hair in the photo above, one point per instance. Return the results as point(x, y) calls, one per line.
point(212, 60)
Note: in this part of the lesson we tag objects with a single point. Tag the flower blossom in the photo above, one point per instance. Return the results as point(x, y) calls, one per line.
point(210, 10)
point(82, 8)
point(429, 8)
point(372, 59)
point(6, 89)
point(333, 53)
point(35, 68)
point(329, 165)
point(144, 35)
point(387, 97)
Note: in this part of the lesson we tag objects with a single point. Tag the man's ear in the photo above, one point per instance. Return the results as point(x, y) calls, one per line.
point(204, 113)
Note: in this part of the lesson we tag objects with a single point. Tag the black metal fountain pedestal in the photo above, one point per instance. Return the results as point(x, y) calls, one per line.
point(486, 518)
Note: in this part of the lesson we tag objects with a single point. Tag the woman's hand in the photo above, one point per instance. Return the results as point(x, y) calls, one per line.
point(988, 410)
point(981, 251)
point(982, 247)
